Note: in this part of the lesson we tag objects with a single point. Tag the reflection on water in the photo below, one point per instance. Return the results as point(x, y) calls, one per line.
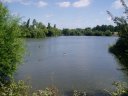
point(123, 61)
point(71, 63)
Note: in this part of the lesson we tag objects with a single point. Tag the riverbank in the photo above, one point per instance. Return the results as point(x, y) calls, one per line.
point(21, 88)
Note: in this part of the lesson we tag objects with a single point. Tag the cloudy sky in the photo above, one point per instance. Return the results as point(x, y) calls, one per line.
point(66, 13)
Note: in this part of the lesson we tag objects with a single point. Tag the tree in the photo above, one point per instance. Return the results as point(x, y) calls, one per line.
point(88, 31)
point(38, 29)
point(54, 25)
point(121, 45)
point(34, 23)
point(41, 30)
point(66, 32)
point(122, 22)
point(11, 46)
point(107, 33)
point(49, 26)
point(28, 23)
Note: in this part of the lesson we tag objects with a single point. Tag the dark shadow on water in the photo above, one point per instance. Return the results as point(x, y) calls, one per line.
point(123, 61)
point(120, 51)
point(121, 55)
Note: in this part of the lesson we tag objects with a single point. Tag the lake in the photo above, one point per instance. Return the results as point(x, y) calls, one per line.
point(72, 62)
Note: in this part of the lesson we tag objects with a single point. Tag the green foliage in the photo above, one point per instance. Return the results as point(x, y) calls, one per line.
point(53, 31)
point(49, 26)
point(15, 89)
point(121, 46)
point(107, 33)
point(34, 23)
point(88, 32)
point(28, 23)
point(21, 88)
point(66, 32)
point(123, 26)
point(3, 14)
point(104, 30)
point(98, 33)
point(38, 30)
point(54, 25)
point(11, 49)
point(121, 89)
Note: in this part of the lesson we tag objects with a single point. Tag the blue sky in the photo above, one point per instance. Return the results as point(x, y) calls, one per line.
point(66, 13)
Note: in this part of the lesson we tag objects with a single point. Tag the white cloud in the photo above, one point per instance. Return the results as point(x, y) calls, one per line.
point(49, 15)
point(7, 1)
point(117, 4)
point(27, 2)
point(81, 3)
point(41, 4)
point(64, 4)
point(77, 4)
point(24, 2)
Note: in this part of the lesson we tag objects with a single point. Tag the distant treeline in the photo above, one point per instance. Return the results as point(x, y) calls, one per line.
point(103, 30)
point(39, 30)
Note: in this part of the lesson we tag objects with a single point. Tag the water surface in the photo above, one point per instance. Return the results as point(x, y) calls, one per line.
point(71, 63)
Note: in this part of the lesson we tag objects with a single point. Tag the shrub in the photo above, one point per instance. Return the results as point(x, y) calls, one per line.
point(121, 89)
point(21, 88)
point(11, 46)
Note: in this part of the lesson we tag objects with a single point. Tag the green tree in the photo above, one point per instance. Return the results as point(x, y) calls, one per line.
point(66, 32)
point(49, 26)
point(88, 32)
point(34, 22)
point(121, 46)
point(52, 31)
point(38, 29)
point(107, 33)
point(54, 25)
point(11, 45)
point(98, 33)
point(41, 30)
point(28, 23)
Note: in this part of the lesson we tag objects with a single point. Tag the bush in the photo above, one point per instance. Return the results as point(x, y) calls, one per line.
point(121, 89)
point(107, 33)
point(21, 88)
point(11, 46)
point(98, 33)
point(120, 48)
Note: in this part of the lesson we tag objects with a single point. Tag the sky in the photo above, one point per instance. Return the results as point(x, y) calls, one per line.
point(66, 13)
